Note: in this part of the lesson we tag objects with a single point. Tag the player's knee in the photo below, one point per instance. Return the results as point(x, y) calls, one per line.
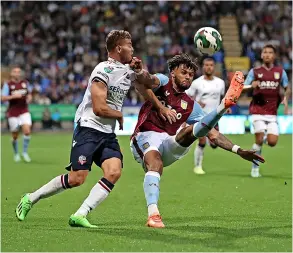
point(272, 143)
point(27, 132)
point(14, 136)
point(155, 165)
point(113, 174)
point(77, 178)
point(214, 146)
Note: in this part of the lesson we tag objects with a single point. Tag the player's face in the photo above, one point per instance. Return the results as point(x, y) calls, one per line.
point(268, 55)
point(125, 50)
point(208, 68)
point(16, 73)
point(183, 77)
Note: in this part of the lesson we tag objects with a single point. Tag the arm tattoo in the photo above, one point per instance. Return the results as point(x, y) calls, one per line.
point(223, 142)
point(145, 77)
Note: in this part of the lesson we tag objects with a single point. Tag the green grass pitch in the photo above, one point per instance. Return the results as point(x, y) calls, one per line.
point(224, 210)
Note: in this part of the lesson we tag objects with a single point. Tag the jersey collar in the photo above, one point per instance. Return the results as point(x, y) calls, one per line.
point(116, 62)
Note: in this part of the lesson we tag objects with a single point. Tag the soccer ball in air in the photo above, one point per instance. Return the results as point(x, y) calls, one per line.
point(208, 40)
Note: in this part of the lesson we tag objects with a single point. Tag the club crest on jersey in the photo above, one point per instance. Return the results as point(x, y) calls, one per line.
point(82, 160)
point(146, 145)
point(23, 85)
point(277, 75)
point(184, 104)
point(259, 75)
point(108, 69)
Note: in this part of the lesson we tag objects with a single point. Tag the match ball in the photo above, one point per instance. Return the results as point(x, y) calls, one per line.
point(208, 40)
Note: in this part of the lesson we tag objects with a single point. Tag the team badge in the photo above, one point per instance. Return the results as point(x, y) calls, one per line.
point(184, 104)
point(82, 160)
point(23, 85)
point(167, 93)
point(277, 75)
point(259, 75)
point(108, 69)
point(146, 145)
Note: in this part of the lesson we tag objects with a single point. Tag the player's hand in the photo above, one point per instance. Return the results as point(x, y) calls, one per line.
point(136, 64)
point(120, 121)
point(201, 104)
point(16, 96)
point(250, 155)
point(168, 114)
point(255, 84)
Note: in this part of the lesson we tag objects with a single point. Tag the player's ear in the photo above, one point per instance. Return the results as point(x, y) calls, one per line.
point(172, 73)
point(119, 49)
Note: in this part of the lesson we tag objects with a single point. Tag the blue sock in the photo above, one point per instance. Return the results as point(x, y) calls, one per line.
point(151, 187)
point(26, 141)
point(258, 151)
point(15, 146)
point(208, 122)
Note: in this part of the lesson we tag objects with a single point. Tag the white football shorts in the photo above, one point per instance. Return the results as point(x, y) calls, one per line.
point(165, 144)
point(16, 122)
point(265, 123)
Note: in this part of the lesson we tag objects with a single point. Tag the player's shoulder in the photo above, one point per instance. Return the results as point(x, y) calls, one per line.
point(218, 79)
point(278, 68)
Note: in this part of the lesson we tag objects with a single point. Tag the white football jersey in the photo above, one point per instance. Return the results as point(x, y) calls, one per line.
point(118, 78)
point(208, 92)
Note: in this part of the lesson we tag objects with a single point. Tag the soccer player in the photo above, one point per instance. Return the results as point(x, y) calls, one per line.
point(94, 139)
point(155, 144)
point(266, 82)
point(207, 90)
point(17, 94)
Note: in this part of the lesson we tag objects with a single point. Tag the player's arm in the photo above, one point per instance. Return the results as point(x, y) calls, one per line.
point(224, 143)
point(250, 81)
point(5, 94)
point(100, 107)
point(147, 91)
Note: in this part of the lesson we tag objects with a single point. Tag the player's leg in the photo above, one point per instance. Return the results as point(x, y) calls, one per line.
point(81, 158)
point(198, 156)
point(13, 123)
point(260, 127)
point(273, 133)
point(109, 158)
point(146, 148)
point(26, 122)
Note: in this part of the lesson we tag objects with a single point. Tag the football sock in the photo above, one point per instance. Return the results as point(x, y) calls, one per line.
point(258, 151)
point(55, 186)
point(26, 141)
point(97, 195)
point(152, 191)
point(202, 128)
point(198, 155)
point(15, 146)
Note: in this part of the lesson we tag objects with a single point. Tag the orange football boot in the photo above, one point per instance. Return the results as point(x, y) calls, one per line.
point(235, 89)
point(155, 221)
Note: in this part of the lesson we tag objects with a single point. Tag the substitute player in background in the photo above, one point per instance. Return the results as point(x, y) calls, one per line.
point(156, 144)
point(17, 94)
point(94, 139)
point(208, 90)
point(266, 82)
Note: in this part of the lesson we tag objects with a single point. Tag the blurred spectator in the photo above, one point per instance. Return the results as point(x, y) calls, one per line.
point(46, 119)
point(56, 119)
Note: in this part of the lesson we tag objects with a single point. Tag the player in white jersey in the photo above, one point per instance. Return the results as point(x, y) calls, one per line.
point(94, 139)
point(208, 90)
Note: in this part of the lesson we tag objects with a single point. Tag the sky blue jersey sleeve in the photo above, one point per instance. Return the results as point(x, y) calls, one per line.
point(163, 80)
point(250, 78)
point(196, 114)
point(5, 90)
point(284, 81)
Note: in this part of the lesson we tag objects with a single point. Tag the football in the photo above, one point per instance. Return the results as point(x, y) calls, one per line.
point(208, 40)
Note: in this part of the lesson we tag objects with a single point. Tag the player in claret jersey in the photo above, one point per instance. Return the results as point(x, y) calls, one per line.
point(266, 82)
point(17, 94)
point(156, 143)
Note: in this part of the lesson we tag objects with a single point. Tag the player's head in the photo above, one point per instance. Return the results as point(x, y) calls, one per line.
point(268, 54)
point(119, 45)
point(15, 73)
point(182, 70)
point(208, 66)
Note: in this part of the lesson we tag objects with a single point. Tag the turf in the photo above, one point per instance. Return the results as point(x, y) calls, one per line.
point(224, 210)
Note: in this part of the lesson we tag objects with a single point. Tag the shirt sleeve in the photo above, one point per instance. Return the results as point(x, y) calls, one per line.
point(196, 114)
point(101, 74)
point(250, 78)
point(5, 90)
point(284, 81)
point(163, 80)
point(223, 88)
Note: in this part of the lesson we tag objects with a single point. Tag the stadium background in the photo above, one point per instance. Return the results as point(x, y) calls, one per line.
point(59, 43)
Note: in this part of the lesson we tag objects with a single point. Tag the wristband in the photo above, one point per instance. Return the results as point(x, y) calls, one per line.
point(235, 148)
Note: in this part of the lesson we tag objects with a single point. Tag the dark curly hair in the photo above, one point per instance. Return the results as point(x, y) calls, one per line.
point(179, 59)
